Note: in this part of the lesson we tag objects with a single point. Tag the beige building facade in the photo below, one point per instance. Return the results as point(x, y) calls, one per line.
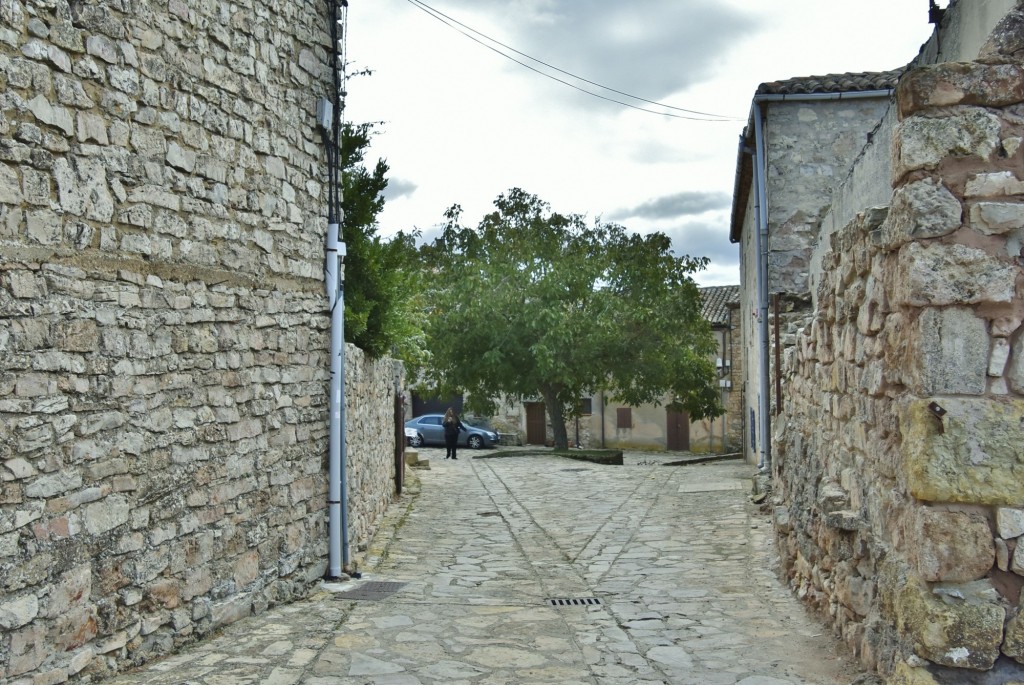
point(605, 423)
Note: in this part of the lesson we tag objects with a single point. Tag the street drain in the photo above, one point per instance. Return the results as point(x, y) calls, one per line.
point(372, 591)
point(573, 601)
point(487, 513)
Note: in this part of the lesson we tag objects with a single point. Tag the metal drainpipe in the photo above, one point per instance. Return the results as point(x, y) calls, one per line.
point(334, 276)
point(336, 495)
point(762, 248)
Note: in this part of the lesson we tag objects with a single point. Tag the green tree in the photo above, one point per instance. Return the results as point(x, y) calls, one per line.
point(379, 274)
point(537, 303)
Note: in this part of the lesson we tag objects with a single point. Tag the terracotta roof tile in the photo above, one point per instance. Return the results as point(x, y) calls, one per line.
point(833, 83)
point(717, 301)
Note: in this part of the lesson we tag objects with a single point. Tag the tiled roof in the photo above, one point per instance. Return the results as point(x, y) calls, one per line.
point(717, 301)
point(830, 86)
point(833, 83)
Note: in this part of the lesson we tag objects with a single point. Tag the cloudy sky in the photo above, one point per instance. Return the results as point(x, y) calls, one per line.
point(462, 124)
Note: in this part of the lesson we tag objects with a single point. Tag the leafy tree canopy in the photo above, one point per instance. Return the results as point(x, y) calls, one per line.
point(379, 275)
point(538, 303)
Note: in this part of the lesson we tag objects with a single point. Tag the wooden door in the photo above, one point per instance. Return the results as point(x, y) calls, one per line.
point(677, 429)
point(536, 425)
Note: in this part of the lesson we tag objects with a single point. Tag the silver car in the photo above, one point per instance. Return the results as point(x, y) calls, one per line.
point(427, 430)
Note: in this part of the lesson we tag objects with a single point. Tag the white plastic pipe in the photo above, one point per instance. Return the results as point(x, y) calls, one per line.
point(761, 248)
point(337, 498)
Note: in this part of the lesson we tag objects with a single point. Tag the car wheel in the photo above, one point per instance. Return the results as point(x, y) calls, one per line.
point(475, 441)
point(416, 441)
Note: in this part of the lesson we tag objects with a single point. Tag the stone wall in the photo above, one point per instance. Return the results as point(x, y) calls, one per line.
point(900, 505)
point(811, 145)
point(163, 328)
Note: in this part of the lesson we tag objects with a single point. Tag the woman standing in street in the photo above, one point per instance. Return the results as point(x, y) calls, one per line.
point(452, 426)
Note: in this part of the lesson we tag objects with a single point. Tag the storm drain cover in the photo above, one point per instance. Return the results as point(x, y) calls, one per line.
point(372, 591)
point(573, 601)
point(487, 513)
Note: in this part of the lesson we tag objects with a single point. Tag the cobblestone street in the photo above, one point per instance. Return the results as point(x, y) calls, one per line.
point(675, 562)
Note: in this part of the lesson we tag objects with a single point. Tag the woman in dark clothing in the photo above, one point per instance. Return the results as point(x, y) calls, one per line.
point(452, 426)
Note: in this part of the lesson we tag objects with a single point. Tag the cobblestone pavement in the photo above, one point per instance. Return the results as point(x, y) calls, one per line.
point(676, 556)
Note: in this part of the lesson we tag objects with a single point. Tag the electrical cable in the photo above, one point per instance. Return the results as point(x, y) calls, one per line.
point(449, 22)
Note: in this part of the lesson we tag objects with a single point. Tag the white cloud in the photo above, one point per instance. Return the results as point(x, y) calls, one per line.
point(463, 124)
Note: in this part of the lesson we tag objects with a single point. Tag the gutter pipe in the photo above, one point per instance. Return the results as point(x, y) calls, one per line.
point(337, 496)
point(761, 245)
point(329, 118)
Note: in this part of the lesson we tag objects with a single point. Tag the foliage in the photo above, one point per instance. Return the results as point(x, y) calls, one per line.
point(379, 275)
point(537, 303)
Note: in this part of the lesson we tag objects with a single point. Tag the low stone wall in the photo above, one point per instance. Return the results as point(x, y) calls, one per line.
point(899, 496)
point(164, 329)
point(149, 499)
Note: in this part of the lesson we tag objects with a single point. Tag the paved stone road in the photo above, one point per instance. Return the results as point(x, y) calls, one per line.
point(677, 557)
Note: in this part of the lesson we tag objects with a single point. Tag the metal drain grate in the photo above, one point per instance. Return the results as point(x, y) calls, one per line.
point(573, 601)
point(372, 591)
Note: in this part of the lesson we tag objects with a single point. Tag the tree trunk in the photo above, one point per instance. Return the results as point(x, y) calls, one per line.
point(555, 411)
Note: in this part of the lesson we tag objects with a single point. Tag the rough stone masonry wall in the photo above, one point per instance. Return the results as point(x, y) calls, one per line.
point(163, 328)
point(899, 460)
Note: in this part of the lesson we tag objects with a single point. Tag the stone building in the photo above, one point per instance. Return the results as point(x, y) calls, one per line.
point(650, 427)
point(804, 134)
point(607, 423)
point(895, 461)
point(163, 328)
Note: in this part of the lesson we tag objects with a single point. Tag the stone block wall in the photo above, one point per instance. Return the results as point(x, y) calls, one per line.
point(164, 328)
point(898, 459)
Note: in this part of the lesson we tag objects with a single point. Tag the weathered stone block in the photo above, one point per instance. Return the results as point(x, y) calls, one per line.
point(18, 612)
point(165, 593)
point(950, 546)
point(998, 357)
point(960, 83)
point(943, 353)
point(923, 209)
point(952, 625)
point(106, 514)
point(28, 649)
point(47, 113)
point(972, 455)
point(1013, 643)
point(996, 218)
point(72, 589)
point(905, 674)
point(1009, 522)
point(83, 188)
point(43, 227)
point(936, 274)
point(994, 184)
point(1015, 372)
point(925, 142)
point(74, 628)
point(230, 611)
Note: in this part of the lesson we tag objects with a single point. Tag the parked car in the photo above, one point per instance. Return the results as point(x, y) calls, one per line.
point(429, 431)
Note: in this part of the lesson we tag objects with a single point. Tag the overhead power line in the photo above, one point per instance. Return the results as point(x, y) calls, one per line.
point(458, 26)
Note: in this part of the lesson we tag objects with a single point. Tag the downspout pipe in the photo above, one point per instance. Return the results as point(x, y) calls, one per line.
point(329, 117)
point(337, 497)
point(762, 248)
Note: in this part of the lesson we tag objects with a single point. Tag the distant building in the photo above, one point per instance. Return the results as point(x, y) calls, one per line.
point(605, 423)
